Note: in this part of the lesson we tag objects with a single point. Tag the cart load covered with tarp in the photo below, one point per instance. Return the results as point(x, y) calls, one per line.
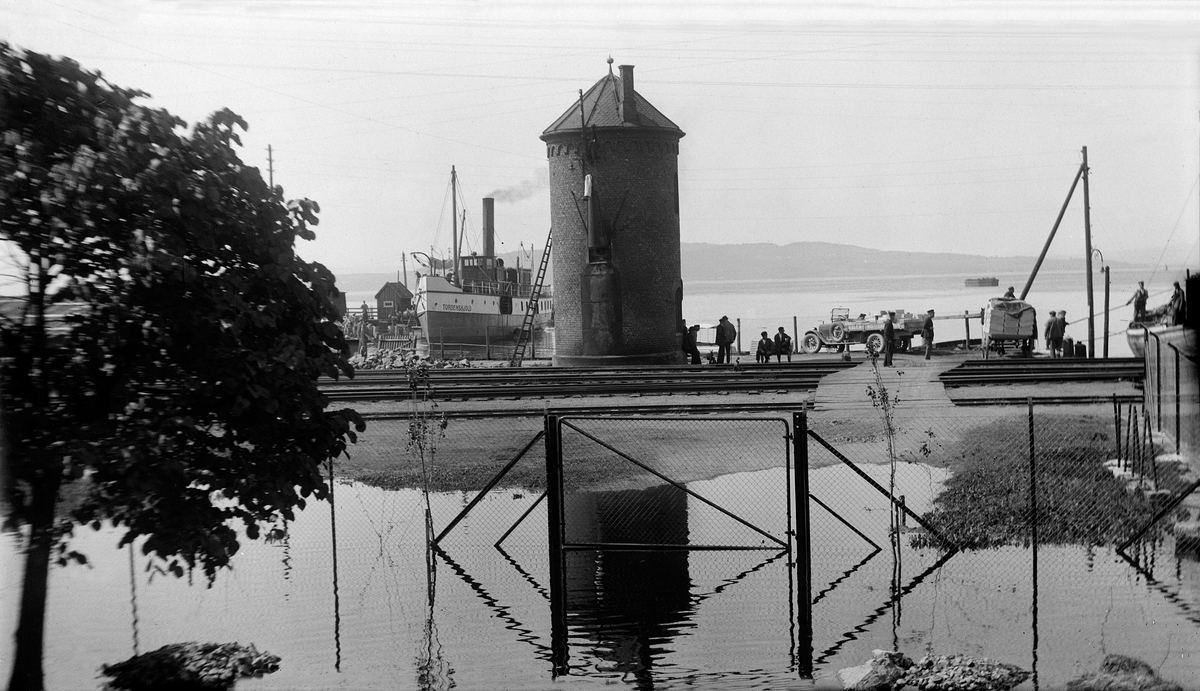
point(1008, 320)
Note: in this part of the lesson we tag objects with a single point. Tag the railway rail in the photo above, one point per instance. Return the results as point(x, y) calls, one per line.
point(977, 372)
point(550, 382)
point(559, 382)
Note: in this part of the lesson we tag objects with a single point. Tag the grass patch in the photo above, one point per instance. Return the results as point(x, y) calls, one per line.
point(986, 503)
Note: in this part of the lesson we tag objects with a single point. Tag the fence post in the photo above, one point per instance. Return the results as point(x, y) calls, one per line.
point(1117, 422)
point(739, 338)
point(967, 324)
point(559, 651)
point(1033, 532)
point(1033, 486)
point(803, 558)
point(1172, 347)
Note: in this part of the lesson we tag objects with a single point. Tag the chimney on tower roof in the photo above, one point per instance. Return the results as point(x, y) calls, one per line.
point(629, 114)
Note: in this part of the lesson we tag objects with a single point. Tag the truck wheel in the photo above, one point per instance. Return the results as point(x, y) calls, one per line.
point(810, 343)
point(837, 332)
point(875, 343)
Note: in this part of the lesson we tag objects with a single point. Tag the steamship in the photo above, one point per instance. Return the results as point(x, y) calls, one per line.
point(481, 303)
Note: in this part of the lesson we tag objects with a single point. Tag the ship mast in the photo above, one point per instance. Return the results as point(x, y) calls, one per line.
point(454, 221)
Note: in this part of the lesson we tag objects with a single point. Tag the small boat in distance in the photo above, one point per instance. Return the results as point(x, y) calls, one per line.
point(988, 282)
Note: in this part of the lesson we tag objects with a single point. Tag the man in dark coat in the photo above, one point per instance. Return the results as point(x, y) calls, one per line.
point(689, 343)
point(726, 335)
point(1178, 305)
point(783, 345)
point(927, 333)
point(765, 347)
point(889, 337)
point(1054, 336)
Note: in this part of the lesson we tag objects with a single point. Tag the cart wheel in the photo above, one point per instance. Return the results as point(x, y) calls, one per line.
point(875, 343)
point(837, 332)
point(810, 343)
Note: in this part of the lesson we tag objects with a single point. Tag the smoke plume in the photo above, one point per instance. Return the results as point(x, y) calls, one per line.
point(522, 190)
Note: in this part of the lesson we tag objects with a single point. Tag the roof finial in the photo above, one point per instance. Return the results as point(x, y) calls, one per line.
point(610, 61)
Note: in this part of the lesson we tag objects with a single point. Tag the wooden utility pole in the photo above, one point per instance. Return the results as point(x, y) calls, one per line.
point(270, 168)
point(1107, 284)
point(1046, 248)
point(404, 263)
point(1087, 249)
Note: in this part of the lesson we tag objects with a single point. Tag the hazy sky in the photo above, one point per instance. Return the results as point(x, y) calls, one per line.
point(957, 127)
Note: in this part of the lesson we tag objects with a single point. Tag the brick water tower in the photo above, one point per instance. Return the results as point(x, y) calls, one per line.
point(614, 209)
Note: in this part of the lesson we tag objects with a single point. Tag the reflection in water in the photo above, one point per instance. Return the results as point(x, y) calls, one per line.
point(337, 605)
point(627, 605)
point(133, 601)
point(433, 671)
point(722, 623)
point(502, 612)
point(864, 626)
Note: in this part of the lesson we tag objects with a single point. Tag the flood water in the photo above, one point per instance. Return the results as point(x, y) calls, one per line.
point(368, 613)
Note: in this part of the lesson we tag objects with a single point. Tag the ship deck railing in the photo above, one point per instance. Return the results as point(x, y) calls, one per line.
point(521, 290)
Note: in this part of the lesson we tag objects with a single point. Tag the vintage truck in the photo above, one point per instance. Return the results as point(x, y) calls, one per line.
point(840, 332)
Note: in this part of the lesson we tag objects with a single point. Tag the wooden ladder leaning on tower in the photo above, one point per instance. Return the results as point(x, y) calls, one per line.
point(531, 307)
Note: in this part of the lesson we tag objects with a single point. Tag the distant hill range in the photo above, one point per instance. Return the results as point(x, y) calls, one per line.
point(703, 261)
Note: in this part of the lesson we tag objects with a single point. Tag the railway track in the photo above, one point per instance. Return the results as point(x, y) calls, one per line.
point(977, 372)
point(553, 382)
point(560, 382)
point(606, 410)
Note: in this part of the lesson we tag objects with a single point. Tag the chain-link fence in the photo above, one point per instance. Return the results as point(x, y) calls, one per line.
point(1172, 400)
point(642, 498)
point(681, 482)
point(1092, 475)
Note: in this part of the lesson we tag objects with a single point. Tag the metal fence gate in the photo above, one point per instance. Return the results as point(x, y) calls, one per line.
point(642, 514)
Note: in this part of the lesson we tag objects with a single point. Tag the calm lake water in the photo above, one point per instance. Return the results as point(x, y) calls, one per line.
point(370, 615)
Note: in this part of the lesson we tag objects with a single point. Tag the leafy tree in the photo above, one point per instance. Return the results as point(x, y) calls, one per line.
point(161, 369)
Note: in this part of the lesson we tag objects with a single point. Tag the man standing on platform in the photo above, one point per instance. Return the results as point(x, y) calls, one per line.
point(1054, 336)
point(889, 336)
point(927, 333)
point(689, 344)
point(726, 335)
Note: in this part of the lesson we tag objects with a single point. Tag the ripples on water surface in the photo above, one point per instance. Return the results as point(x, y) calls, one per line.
point(715, 619)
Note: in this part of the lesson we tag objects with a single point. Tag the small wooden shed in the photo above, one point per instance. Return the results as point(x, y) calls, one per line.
point(393, 297)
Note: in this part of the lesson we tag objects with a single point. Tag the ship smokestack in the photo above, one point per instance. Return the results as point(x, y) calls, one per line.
point(489, 228)
point(629, 114)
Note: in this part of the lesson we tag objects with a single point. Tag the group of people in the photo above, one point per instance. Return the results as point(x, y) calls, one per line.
point(779, 346)
point(1176, 307)
point(1055, 332)
point(726, 336)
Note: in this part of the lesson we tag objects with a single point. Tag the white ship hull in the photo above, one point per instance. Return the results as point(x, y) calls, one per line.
point(449, 317)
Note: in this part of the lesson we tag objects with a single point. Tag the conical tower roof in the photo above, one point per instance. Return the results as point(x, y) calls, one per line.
point(601, 106)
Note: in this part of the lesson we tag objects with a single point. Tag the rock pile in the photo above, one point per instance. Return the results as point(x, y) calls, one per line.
point(191, 666)
point(397, 359)
point(1122, 673)
point(894, 671)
